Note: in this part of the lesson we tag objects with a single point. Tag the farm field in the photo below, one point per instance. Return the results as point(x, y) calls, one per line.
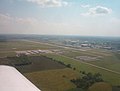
point(110, 60)
point(108, 76)
point(53, 80)
point(8, 48)
point(31, 63)
point(7, 53)
point(49, 75)
point(46, 74)
point(74, 53)
point(40, 63)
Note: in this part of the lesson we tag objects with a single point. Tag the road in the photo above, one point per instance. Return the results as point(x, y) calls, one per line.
point(73, 49)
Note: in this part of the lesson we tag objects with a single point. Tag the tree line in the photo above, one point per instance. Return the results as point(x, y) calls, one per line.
point(87, 80)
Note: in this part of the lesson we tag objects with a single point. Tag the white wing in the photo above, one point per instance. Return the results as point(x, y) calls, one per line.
point(12, 80)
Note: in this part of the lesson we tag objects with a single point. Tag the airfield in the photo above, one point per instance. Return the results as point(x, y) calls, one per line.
point(45, 71)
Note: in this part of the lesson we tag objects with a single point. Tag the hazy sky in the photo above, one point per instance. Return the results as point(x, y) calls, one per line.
point(60, 17)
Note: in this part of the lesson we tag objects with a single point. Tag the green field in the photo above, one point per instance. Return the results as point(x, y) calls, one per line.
point(49, 75)
point(8, 48)
point(110, 60)
point(101, 86)
point(107, 76)
point(45, 73)
point(37, 63)
point(53, 80)
point(92, 53)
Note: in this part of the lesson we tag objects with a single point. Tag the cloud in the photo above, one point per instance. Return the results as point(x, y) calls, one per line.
point(30, 25)
point(98, 10)
point(49, 3)
point(85, 6)
point(10, 24)
point(6, 19)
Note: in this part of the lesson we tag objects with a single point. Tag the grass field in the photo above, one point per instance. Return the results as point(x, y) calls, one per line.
point(52, 76)
point(21, 45)
point(111, 60)
point(90, 52)
point(107, 76)
point(100, 86)
point(38, 63)
point(7, 53)
point(6, 48)
point(100, 52)
point(76, 89)
point(46, 74)
point(74, 53)
point(53, 80)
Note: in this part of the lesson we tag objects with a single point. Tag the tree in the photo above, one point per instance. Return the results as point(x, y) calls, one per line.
point(87, 80)
point(74, 68)
point(22, 60)
point(69, 65)
point(83, 72)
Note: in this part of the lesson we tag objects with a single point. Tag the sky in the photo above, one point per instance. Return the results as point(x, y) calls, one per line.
point(60, 17)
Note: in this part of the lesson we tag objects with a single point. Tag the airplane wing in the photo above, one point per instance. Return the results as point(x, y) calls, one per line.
point(12, 80)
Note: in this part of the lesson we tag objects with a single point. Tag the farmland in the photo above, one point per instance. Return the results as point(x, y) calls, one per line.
point(32, 63)
point(108, 76)
point(110, 60)
point(46, 74)
point(6, 48)
point(53, 80)
point(45, 70)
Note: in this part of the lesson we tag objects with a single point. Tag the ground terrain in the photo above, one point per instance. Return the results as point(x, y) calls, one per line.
point(49, 75)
